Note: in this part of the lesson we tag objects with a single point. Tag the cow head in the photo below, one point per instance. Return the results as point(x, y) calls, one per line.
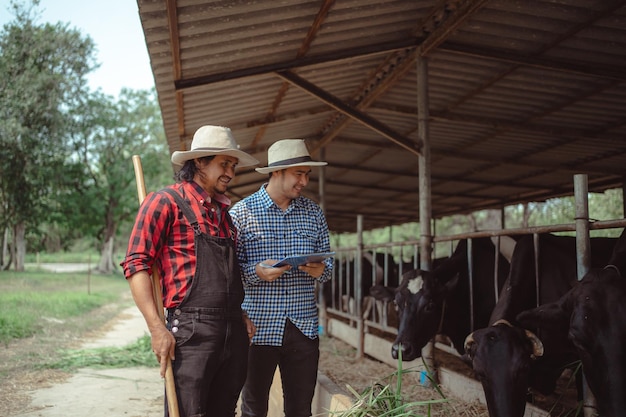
point(419, 300)
point(501, 356)
point(592, 312)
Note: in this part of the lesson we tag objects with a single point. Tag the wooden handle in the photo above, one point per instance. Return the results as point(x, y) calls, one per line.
point(170, 387)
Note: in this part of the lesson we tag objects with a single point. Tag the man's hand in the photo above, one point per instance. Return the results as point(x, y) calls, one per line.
point(268, 273)
point(315, 269)
point(250, 327)
point(163, 345)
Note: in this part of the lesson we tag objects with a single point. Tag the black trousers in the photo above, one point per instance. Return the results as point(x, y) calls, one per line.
point(297, 360)
point(210, 365)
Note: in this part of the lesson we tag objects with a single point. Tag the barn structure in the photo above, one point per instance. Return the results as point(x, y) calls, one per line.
point(505, 100)
point(422, 108)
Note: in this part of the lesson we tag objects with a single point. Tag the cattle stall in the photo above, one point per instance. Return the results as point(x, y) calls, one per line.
point(346, 296)
point(366, 324)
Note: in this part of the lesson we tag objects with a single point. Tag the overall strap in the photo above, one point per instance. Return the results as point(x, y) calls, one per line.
point(186, 208)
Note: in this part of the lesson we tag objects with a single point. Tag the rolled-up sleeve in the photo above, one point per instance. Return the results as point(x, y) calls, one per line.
point(146, 238)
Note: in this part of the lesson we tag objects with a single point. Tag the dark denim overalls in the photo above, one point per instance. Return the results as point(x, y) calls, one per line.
point(211, 337)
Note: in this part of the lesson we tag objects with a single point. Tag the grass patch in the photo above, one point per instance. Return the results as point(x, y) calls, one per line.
point(63, 257)
point(31, 302)
point(138, 353)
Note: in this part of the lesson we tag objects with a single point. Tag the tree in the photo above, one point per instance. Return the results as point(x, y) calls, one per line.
point(46, 66)
point(104, 193)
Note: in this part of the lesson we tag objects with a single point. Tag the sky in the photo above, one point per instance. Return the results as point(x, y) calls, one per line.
point(114, 27)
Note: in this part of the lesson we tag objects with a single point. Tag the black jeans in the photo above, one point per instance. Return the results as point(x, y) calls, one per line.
point(297, 360)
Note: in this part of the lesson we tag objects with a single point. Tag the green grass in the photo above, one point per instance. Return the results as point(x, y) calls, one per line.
point(44, 315)
point(63, 257)
point(138, 353)
point(30, 302)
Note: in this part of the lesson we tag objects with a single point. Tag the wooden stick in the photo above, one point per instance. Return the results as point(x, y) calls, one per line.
point(170, 387)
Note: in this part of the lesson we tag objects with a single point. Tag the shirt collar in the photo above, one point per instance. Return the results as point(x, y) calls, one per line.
point(200, 194)
point(267, 202)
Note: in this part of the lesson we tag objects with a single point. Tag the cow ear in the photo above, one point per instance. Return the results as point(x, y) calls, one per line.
point(451, 284)
point(548, 316)
point(536, 343)
point(470, 348)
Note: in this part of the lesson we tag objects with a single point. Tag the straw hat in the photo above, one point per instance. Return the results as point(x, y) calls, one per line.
point(288, 153)
point(213, 140)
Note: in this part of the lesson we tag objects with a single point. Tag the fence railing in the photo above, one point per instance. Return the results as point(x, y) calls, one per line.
point(346, 295)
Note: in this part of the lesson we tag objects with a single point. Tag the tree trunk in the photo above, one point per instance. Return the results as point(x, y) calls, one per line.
point(19, 245)
point(4, 253)
point(106, 265)
point(526, 215)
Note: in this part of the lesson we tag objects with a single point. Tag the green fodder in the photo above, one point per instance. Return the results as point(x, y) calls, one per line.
point(138, 353)
point(385, 399)
point(382, 400)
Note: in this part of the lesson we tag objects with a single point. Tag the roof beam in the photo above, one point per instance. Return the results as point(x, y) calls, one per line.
point(172, 24)
point(557, 131)
point(598, 71)
point(304, 48)
point(351, 53)
point(452, 16)
point(350, 111)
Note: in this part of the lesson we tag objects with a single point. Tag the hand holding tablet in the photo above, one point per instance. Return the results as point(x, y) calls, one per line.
point(298, 260)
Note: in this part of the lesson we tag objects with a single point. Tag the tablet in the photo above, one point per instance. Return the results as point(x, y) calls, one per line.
point(298, 260)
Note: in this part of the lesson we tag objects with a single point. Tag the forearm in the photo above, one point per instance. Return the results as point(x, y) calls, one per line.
point(141, 289)
point(162, 341)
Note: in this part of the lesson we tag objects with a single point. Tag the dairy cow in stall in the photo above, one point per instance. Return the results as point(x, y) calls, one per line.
point(508, 359)
point(438, 301)
point(593, 314)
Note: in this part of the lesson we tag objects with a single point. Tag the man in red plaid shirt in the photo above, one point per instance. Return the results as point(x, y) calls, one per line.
point(186, 233)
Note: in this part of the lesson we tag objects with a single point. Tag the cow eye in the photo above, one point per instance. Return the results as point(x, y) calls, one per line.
point(430, 306)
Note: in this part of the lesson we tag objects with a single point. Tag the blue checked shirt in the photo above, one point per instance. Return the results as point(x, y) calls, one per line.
point(267, 232)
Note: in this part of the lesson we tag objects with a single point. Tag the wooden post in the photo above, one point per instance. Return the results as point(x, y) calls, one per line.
point(583, 262)
point(170, 387)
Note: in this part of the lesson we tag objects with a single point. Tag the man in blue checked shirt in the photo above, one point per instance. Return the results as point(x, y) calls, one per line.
point(275, 222)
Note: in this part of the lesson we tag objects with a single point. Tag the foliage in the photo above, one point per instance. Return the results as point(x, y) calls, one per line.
point(31, 301)
point(104, 192)
point(66, 170)
point(47, 65)
point(138, 353)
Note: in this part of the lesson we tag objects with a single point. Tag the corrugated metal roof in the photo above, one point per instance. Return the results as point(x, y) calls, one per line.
point(523, 94)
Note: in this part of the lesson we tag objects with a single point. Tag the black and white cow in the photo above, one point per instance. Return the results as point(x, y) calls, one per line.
point(508, 359)
point(438, 301)
point(593, 315)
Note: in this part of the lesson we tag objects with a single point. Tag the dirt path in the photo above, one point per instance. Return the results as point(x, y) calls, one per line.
point(131, 392)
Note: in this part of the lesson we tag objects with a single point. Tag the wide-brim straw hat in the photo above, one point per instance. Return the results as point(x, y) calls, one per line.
point(288, 153)
point(213, 140)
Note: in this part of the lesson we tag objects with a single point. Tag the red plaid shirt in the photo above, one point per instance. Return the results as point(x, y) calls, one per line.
point(162, 236)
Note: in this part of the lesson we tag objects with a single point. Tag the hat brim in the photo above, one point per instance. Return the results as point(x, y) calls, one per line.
point(245, 160)
point(267, 170)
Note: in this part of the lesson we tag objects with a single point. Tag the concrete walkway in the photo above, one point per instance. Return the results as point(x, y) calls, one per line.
point(129, 392)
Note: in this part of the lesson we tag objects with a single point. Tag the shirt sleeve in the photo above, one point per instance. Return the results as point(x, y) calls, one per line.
point(239, 215)
point(147, 237)
point(324, 246)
